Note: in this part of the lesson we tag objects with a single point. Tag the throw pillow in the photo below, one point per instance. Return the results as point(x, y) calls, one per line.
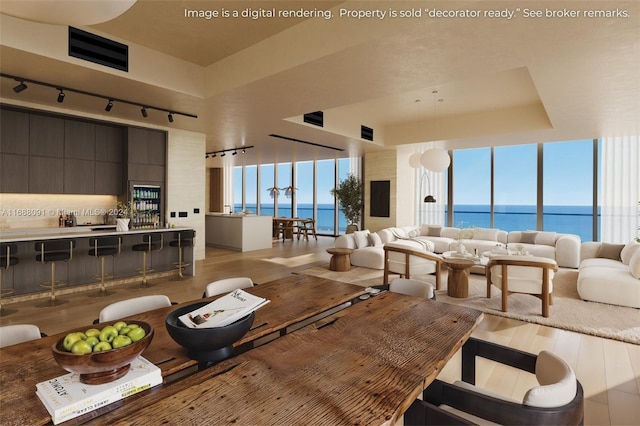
point(610, 251)
point(424, 229)
point(375, 240)
point(485, 234)
point(634, 265)
point(362, 238)
point(546, 238)
point(528, 237)
point(434, 231)
point(628, 251)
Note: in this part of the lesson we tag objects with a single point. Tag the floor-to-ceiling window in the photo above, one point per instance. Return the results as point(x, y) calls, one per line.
point(267, 196)
point(250, 188)
point(285, 195)
point(515, 187)
point(305, 191)
point(326, 222)
point(568, 188)
point(472, 188)
point(238, 184)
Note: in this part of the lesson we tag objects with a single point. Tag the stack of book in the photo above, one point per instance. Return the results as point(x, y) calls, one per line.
point(224, 310)
point(65, 397)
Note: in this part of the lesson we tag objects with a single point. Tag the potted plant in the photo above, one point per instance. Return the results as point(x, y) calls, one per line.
point(123, 215)
point(349, 195)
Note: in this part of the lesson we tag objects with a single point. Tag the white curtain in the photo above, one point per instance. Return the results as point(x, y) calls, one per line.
point(430, 213)
point(620, 189)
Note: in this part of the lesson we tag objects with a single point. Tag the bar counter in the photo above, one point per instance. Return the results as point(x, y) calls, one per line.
point(27, 276)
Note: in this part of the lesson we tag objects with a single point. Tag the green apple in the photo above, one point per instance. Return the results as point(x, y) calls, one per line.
point(108, 334)
point(136, 334)
point(120, 341)
point(92, 340)
point(81, 347)
point(92, 332)
point(119, 325)
point(133, 325)
point(102, 346)
point(70, 339)
point(124, 330)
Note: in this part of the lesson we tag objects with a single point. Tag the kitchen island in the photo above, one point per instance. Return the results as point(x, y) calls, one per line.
point(80, 271)
point(238, 231)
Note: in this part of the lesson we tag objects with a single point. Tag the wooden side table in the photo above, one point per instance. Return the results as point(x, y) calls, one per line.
point(340, 260)
point(458, 280)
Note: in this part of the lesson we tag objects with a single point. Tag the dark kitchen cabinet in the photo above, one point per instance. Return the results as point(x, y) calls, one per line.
point(109, 178)
point(46, 175)
point(46, 136)
point(14, 132)
point(147, 146)
point(79, 176)
point(110, 141)
point(79, 140)
point(14, 173)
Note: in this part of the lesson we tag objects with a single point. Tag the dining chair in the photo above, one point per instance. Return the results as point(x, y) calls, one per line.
point(557, 399)
point(522, 274)
point(18, 333)
point(226, 285)
point(412, 287)
point(305, 227)
point(135, 305)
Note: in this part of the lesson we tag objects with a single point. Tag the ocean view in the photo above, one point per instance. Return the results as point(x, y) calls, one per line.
point(564, 219)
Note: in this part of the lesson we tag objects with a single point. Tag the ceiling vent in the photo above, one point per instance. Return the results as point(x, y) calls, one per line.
point(315, 118)
point(366, 133)
point(99, 50)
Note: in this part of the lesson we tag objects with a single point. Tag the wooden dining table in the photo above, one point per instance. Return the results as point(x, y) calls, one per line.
point(286, 225)
point(363, 364)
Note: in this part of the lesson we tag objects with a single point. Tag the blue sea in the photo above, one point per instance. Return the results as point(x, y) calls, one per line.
point(564, 219)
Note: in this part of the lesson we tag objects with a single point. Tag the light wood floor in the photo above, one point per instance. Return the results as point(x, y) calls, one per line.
point(608, 370)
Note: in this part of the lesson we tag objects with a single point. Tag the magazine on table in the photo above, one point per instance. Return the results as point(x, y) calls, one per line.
point(66, 397)
point(224, 310)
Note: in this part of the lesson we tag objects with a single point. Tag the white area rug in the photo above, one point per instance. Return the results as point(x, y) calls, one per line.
point(568, 311)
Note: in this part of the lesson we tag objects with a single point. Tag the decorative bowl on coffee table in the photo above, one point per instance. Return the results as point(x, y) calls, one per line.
point(97, 368)
point(207, 344)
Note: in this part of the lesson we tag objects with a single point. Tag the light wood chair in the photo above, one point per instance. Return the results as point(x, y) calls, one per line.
point(522, 274)
point(306, 227)
point(226, 285)
point(128, 307)
point(558, 400)
point(18, 333)
point(398, 260)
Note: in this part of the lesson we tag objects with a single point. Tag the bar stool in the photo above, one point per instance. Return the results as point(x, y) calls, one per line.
point(102, 247)
point(7, 260)
point(182, 239)
point(150, 243)
point(51, 252)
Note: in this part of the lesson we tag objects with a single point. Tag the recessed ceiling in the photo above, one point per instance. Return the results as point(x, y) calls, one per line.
point(502, 81)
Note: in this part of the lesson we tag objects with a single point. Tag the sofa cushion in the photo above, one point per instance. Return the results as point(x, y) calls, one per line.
point(486, 234)
point(546, 238)
point(634, 265)
point(375, 240)
point(628, 251)
point(346, 241)
point(440, 244)
point(599, 262)
point(449, 232)
point(609, 285)
point(528, 237)
point(610, 251)
point(368, 257)
point(362, 238)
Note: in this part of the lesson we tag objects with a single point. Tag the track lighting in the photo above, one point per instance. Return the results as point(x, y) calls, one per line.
point(223, 152)
point(110, 99)
point(20, 87)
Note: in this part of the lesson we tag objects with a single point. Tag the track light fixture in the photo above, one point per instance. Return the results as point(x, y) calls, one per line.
point(223, 152)
point(20, 87)
point(110, 99)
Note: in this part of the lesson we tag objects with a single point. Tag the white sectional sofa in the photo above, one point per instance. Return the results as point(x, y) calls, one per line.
point(368, 252)
point(610, 273)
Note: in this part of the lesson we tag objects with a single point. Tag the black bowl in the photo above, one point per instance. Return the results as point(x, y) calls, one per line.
point(207, 344)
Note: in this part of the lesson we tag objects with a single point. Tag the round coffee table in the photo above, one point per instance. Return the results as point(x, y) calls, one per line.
point(340, 260)
point(458, 280)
